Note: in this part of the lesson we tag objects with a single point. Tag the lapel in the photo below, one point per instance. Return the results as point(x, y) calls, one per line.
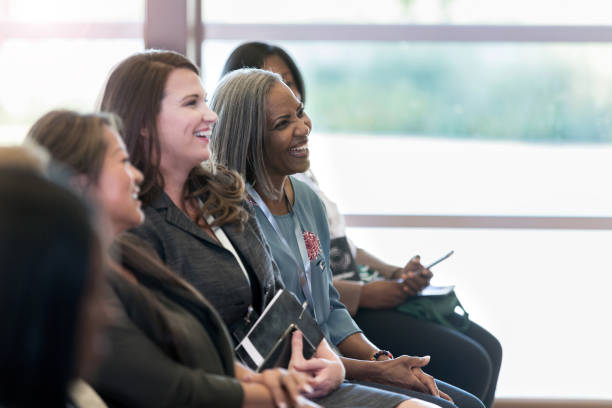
point(244, 242)
point(179, 219)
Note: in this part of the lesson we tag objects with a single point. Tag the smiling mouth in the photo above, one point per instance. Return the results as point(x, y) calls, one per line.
point(203, 134)
point(299, 151)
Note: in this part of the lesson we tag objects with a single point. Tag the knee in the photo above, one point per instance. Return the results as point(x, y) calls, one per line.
point(416, 403)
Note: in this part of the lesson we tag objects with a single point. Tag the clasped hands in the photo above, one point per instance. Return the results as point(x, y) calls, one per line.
point(312, 378)
point(386, 294)
point(406, 372)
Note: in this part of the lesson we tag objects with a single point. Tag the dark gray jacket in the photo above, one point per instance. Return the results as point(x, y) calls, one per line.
point(209, 267)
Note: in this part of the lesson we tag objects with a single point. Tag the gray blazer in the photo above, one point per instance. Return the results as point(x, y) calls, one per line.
point(209, 267)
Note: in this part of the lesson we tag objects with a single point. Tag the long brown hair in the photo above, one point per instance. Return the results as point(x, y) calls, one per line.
point(75, 139)
point(134, 91)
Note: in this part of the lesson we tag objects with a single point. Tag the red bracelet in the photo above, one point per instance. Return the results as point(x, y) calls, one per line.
point(381, 353)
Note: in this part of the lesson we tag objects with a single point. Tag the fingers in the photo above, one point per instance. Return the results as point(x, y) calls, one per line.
point(413, 361)
point(274, 382)
point(311, 365)
point(297, 353)
point(446, 397)
point(428, 380)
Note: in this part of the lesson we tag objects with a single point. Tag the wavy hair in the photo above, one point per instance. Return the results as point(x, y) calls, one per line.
point(238, 138)
point(134, 91)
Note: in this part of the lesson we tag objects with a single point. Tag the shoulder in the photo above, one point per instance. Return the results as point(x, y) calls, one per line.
point(307, 199)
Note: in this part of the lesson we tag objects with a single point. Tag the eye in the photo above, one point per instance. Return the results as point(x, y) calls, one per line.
point(300, 112)
point(191, 102)
point(282, 124)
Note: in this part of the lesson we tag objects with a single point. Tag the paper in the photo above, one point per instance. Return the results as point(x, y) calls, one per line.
point(437, 290)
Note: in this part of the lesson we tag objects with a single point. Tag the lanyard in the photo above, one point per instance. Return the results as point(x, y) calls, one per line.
point(304, 274)
point(227, 244)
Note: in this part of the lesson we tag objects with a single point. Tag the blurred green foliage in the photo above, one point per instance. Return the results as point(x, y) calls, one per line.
point(528, 92)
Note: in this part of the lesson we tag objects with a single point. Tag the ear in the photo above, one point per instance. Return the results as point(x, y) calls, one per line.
point(80, 182)
point(144, 132)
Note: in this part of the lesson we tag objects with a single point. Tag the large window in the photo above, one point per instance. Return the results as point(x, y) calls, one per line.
point(494, 111)
point(410, 11)
point(57, 55)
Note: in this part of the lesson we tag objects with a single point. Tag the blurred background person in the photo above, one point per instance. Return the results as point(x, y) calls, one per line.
point(51, 312)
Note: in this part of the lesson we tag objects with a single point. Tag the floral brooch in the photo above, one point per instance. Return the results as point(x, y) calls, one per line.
point(313, 246)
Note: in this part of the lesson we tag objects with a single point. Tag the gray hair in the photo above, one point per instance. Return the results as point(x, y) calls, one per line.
point(237, 140)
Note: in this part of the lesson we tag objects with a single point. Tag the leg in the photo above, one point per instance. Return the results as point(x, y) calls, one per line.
point(415, 403)
point(462, 398)
point(455, 357)
point(494, 351)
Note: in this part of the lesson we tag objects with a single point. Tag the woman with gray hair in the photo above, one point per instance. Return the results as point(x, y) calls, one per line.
point(262, 133)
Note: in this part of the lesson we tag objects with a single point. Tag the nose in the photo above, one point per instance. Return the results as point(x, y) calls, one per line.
point(305, 126)
point(136, 175)
point(209, 116)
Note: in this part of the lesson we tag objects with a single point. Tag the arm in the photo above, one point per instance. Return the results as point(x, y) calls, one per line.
point(389, 271)
point(138, 373)
point(350, 294)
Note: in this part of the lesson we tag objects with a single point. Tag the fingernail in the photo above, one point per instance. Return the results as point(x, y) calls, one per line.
point(282, 405)
point(308, 388)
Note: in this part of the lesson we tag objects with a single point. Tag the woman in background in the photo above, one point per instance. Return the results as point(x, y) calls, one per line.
point(262, 133)
point(470, 360)
point(50, 277)
point(169, 348)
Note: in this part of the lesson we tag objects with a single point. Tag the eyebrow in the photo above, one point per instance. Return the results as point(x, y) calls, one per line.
point(195, 95)
point(288, 115)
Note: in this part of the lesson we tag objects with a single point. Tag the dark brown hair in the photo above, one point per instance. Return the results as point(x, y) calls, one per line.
point(134, 92)
point(50, 252)
point(254, 54)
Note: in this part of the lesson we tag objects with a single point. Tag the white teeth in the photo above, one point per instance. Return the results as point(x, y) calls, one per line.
point(202, 133)
point(299, 149)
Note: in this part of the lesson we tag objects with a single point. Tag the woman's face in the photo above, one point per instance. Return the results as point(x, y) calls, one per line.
point(184, 124)
point(117, 188)
point(276, 64)
point(286, 135)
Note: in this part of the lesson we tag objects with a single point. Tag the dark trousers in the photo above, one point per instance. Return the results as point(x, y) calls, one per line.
point(469, 360)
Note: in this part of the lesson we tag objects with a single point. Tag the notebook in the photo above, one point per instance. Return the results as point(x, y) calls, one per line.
point(268, 342)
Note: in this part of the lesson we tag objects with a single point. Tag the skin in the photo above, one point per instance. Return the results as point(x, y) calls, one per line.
point(383, 293)
point(117, 189)
point(116, 192)
point(288, 128)
point(275, 64)
point(184, 126)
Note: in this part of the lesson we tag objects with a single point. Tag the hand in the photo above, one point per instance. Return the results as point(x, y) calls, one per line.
point(415, 277)
point(325, 375)
point(286, 386)
point(383, 294)
point(405, 371)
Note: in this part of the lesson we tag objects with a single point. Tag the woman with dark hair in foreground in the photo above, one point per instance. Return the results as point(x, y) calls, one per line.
point(50, 275)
